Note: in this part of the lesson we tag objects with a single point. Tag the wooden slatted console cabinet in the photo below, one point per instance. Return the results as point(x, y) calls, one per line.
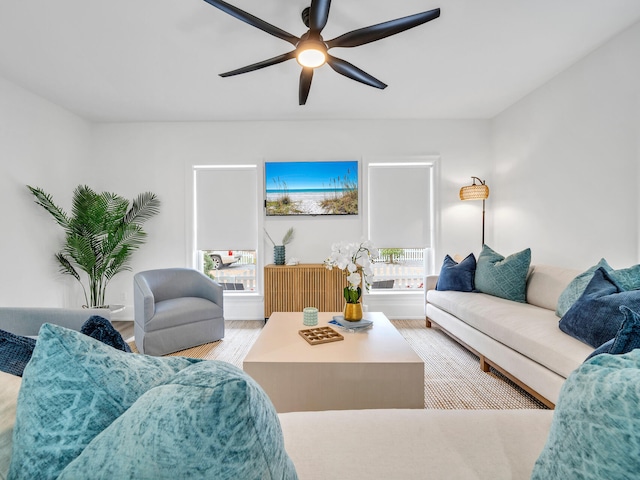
point(290, 288)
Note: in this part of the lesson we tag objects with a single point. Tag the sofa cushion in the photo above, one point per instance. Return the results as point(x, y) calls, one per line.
point(595, 317)
point(15, 352)
point(546, 283)
point(595, 433)
point(178, 311)
point(397, 444)
point(627, 338)
point(168, 416)
point(504, 277)
point(530, 330)
point(457, 276)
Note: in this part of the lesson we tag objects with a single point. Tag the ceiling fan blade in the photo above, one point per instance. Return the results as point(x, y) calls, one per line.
point(354, 73)
point(382, 30)
point(305, 85)
point(318, 15)
point(257, 66)
point(254, 21)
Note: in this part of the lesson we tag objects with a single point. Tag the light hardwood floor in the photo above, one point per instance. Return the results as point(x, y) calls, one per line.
point(125, 328)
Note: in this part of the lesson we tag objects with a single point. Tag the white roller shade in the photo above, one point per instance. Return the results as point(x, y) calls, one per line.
point(226, 204)
point(400, 205)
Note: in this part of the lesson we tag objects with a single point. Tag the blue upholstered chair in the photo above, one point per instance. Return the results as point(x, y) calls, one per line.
point(175, 309)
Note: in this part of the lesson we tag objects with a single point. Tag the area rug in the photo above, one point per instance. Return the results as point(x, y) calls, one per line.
point(452, 375)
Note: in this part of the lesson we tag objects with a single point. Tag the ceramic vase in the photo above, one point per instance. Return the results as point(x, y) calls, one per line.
point(353, 312)
point(278, 254)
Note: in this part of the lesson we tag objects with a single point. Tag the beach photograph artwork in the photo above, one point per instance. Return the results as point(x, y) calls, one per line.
point(311, 188)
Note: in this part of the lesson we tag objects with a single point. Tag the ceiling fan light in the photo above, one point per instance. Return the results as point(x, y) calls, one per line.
point(311, 57)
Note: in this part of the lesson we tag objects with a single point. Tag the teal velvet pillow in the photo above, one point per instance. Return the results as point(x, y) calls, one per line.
point(72, 389)
point(504, 277)
point(79, 394)
point(595, 433)
point(211, 421)
point(457, 276)
point(627, 278)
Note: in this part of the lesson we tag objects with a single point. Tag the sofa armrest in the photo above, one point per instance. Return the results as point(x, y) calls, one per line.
point(432, 280)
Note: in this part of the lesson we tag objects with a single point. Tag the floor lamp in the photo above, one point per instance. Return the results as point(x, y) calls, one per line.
point(476, 192)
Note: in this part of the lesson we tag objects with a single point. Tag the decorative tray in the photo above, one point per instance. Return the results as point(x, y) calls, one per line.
point(318, 335)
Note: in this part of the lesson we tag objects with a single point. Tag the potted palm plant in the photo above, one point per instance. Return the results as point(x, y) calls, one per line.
point(101, 233)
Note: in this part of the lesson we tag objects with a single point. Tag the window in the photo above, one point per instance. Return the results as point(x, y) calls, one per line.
point(400, 219)
point(235, 270)
point(226, 224)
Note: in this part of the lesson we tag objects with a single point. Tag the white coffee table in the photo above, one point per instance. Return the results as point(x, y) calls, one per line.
point(375, 368)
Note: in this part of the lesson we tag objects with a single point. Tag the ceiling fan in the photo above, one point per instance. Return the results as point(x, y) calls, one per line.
point(311, 50)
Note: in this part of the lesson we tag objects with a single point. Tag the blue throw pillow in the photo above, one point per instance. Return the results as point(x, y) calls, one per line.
point(626, 278)
point(457, 276)
point(595, 432)
point(576, 287)
point(101, 329)
point(627, 338)
point(596, 317)
point(15, 352)
point(504, 277)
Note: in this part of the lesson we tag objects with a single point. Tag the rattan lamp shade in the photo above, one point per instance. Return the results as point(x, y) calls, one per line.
point(474, 192)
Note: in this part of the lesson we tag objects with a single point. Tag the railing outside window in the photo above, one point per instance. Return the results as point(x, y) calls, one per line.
point(399, 269)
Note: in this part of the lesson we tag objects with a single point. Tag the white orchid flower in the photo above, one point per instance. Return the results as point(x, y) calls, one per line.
point(354, 279)
point(355, 260)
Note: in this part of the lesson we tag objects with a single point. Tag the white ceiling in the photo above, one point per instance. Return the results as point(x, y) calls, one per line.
point(159, 60)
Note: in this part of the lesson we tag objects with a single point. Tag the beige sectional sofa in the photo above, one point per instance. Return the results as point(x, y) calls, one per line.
point(385, 444)
point(521, 340)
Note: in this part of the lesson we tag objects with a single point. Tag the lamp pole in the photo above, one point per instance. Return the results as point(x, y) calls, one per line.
point(483, 222)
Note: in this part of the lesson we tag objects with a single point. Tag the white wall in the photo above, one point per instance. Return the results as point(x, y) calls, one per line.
point(567, 161)
point(43, 146)
point(131, 158)
point(562, 165)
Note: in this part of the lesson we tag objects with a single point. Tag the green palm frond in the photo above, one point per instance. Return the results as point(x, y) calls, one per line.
point(45, 201)
point(65, 266)
point(101, 234)
point(145, 206)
